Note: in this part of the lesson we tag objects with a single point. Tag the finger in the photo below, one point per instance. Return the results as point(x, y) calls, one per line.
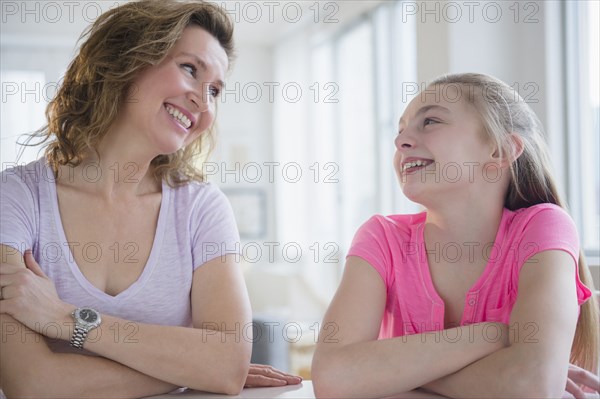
point(7, 268)
point(289, 378)
point(253, 381)
point(7, 306)
point(6, 280)
point(269, 371)
point(574, 389)
point(8, 292)
point(293, 379)
point(32, 264)
point(584, 377)
point(265, 370)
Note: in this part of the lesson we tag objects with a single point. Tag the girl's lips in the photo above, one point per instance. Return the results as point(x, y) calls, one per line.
point(411, 165)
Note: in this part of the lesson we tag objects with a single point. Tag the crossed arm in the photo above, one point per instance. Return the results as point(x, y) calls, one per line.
point(356, 364)
point(205, 357)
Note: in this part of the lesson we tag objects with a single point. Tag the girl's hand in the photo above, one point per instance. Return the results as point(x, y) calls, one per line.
point(266, 376)
point(580, 381)
point(29, 296)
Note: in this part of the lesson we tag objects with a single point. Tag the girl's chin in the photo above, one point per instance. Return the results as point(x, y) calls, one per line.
point(414, 191)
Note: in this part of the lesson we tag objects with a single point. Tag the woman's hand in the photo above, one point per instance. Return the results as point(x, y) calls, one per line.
point(29, 296)
point(580, 381)
point(266, 376)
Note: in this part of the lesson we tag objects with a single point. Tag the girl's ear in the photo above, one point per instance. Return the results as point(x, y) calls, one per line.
point(514, 150)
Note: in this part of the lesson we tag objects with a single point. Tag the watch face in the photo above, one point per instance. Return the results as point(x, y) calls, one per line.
point(88, 315)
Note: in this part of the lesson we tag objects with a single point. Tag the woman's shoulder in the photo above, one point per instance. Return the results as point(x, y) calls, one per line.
point(197, 193)
point(25, 179)
point(195, 188)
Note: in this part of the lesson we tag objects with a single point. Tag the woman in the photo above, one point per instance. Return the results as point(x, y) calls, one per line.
point(125, 248)
point(485, 294)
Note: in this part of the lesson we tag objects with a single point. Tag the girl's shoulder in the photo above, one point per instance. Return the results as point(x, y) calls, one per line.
point(543, 226)
point(380, 226)
point(541, 215)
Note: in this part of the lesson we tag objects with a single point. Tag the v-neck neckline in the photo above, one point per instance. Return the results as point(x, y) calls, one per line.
point(425, 272)
point(70, 259)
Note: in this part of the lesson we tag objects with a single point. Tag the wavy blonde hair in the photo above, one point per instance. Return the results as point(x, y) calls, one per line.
point(502, 112)
point(121, 43)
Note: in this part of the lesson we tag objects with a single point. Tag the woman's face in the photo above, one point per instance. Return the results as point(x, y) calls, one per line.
point(173, 103)
point(441, 146)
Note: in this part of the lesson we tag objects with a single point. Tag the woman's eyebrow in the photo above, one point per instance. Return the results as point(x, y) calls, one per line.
point(202, 64)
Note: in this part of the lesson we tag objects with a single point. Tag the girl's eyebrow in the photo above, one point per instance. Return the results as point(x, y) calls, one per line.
point(426, 108)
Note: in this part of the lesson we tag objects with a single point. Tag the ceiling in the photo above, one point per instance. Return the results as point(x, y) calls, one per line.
point(256, 22)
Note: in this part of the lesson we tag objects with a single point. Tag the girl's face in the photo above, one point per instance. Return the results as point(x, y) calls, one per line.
point(441, 146)
point(173, 103)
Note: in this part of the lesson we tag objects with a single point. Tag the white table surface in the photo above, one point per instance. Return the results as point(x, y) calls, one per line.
point(301, 391)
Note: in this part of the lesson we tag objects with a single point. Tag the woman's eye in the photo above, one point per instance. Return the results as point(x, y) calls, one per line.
point(213, 91)
point(191, 69)
point(428, 121)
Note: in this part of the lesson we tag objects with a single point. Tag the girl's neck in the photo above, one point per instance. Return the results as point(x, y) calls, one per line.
point(464, 223)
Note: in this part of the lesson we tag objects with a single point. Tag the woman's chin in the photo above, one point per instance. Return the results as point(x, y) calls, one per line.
point(170, 148)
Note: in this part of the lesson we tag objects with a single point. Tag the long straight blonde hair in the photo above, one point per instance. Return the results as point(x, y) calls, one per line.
point(502, 112)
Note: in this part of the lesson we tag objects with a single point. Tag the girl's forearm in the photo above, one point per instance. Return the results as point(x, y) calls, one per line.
point(508, 373)
point(401, 364)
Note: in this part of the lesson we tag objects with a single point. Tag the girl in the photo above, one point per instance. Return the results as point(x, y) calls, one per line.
point(486, 293)
point(127, 253)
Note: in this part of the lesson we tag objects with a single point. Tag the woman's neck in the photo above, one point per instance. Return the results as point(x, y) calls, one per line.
point(118, 171)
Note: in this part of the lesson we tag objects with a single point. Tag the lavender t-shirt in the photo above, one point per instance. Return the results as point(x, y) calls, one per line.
point(195, 225)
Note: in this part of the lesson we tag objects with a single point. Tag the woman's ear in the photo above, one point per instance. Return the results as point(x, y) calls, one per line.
point(514, 150)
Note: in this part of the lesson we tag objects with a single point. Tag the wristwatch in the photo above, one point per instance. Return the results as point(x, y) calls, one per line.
point(86, 319)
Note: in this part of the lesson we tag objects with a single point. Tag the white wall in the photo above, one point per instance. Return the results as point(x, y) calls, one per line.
point(245, 125)
point(481, 40)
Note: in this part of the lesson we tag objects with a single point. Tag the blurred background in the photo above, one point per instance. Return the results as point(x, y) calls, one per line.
point(310, 111)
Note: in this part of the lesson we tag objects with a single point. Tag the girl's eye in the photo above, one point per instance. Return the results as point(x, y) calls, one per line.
point(191, 69)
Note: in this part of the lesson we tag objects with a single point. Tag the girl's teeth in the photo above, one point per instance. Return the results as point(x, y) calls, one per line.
point(410, 165)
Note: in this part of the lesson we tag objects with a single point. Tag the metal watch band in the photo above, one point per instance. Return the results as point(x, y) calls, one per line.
point(78, 337)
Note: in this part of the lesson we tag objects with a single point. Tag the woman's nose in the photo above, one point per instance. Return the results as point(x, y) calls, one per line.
point(200, 97)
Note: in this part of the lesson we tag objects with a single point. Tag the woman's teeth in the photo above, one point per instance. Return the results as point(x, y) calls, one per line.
point(179, 117)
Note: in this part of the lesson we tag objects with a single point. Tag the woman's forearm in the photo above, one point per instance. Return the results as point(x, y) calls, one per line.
point(387, 367)
point(205, 359)
point(30, 369)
